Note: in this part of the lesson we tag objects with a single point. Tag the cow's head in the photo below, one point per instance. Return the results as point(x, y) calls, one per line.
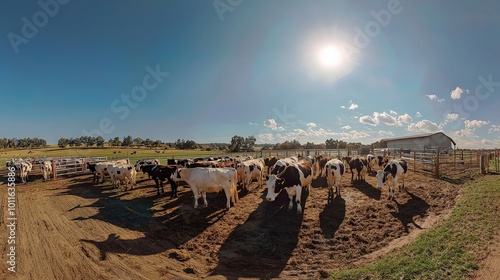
point(274, 187)
point(381, 178)
point(176, 175)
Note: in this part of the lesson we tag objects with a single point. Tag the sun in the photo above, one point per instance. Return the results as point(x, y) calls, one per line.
point(330, 57)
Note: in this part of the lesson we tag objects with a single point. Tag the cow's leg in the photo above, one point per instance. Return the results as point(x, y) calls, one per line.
point(229, 197)
point(298, 197)
point(196, 196)
point(157, 186)
point(290, 204)
point(337, 187)
point(330, 195)
point(204, 194)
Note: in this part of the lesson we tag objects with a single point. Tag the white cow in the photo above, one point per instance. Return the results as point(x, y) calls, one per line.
point(295, 177)
point(101, 168)
point(334, 169)
point(23, 168)
point(281, 164)
point(46, 167)
point(206, 179)
point(122, 174)
point(393, 171)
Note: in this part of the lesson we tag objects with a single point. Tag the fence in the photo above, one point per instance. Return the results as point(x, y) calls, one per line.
point(435, 162)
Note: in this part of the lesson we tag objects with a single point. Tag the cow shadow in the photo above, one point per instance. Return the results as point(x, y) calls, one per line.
point(263, 244)
point(332, 217)
point(169, 229)
point(413, 207)
point(367, 189)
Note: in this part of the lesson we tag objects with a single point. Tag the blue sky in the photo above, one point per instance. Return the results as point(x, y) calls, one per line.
point(279, 70)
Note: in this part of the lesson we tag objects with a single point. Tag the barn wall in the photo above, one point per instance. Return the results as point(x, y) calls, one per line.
point(439, 140)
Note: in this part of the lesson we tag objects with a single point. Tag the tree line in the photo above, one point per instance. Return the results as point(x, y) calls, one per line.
point(237, 144)
point(22, 143)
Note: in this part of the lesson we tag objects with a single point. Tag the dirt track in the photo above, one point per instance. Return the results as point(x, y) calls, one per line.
point(70, 229)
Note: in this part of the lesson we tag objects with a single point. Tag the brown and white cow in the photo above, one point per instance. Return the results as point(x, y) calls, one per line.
point(203, 180)
point(293, 179)
point(393, 171)
point(46, 167)
point(249, 170)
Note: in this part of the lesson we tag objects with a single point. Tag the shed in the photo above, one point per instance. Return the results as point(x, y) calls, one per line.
point(422, 142)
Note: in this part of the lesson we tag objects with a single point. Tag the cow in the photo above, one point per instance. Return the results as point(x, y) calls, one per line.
point(377, 163)
point(46, 167)
point(122, 174)
point(346, 161)
point(334, 169)
point(360, 166)
point(281, 164)
point(393, 171)
point(100, 169)
point(369, 159)
point(249, 170)
point(269, 163)
point(203, 180)
point(160, 173)
point(23, 168)
point(319, 166)
point(293, 179)
point(141, 162)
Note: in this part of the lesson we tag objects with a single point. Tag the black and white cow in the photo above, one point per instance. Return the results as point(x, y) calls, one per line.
point(334, 169)
point(393, 171)
point(360, 165)
point(293, 179)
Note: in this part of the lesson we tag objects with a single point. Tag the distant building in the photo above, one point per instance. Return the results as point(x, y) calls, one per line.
point(422, 142)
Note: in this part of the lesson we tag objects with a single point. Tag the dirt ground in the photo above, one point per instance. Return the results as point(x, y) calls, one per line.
point(71, 229)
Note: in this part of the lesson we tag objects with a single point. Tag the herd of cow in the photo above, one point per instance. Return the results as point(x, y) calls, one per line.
point(225, 174)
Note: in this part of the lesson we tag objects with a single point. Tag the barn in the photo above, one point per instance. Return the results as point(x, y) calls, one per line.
point(422, 142)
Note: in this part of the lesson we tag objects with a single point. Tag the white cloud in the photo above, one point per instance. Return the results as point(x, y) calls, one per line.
point(353, 106)
point(405, 118)
point(465, 133)
point(451, 117)
point(393, 112)
point(494, 128)
point(473, 124)
point(311, 124)
point(431, 96)
point(271, 124)
point(368, 120)
point(265, 137)
point(251, 123)
point(383, 133)
point(424, 126)
point(385, 118)
point(342, 107)
point(456, 93)
point(346, 127)
point(487, 142)
point(418, 115)
point(434, 97)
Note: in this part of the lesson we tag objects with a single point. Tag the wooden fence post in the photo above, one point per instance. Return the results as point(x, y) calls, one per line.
point(414, 161)
point(54, 172)
point(436, 173)
point(400, 152)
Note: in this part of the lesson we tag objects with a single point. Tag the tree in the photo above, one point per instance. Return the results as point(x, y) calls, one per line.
point(62, 143)
point(236, 143)
point(116, 142)
point(127, 141)
point(249, 143)
point(138, 142)
point(100, 141)
point(148, 142)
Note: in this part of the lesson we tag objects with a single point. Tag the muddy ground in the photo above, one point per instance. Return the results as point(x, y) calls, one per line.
point(71, 229)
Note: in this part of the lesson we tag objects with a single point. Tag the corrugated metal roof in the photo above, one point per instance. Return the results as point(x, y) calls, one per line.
point(420, 136)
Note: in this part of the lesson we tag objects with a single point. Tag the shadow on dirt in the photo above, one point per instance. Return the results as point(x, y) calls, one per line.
point(262, 246)
point(367, 189)
point(332, 217)
point(166, 231)
point(413, 207)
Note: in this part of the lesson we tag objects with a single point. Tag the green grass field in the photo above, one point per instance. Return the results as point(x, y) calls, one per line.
point(449, 251)
point(110, 152)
